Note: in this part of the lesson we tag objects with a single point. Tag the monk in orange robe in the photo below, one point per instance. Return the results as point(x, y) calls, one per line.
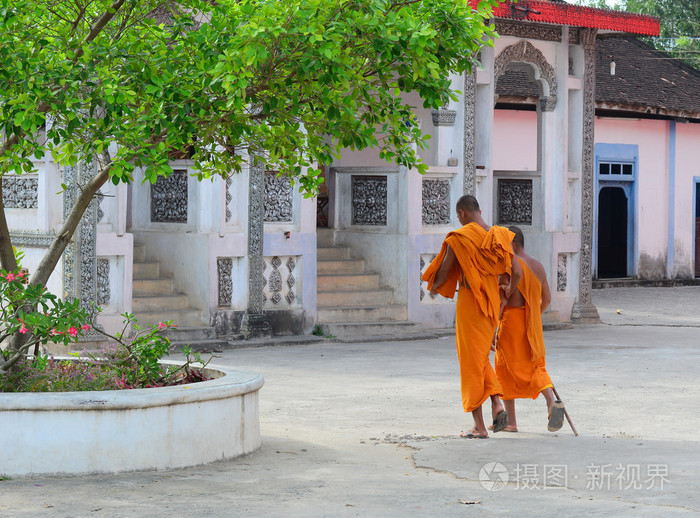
point(520, 363)
point(473, 257)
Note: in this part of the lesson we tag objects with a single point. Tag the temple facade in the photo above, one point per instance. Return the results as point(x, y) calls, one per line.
point(249, 255)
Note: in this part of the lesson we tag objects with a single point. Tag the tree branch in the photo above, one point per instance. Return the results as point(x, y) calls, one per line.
point(52, 256)
point(7, 255)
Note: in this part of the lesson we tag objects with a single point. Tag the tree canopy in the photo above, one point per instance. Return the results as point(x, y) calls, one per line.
point(127, 83)
point(680, 24)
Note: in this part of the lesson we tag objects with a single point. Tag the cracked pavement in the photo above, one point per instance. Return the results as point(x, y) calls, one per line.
point(372, 429)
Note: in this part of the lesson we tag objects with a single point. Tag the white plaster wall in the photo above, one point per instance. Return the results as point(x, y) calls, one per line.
point(383, 247)
point(158, 428)
point(235, 246)
point(181, 248)
point(651, 234)
point(45, 219)
point(119, 250)
point(32, 257)
point(435, 315)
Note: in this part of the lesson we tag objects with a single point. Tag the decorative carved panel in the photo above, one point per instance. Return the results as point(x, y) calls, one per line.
point(100, 213)
point(278, 197)
point(530, 31)
point(514, 202)
point(104, 293)
point(573, 36)
point(561, 272)
point(256, 215)
point(225, 276)
point(436, 202)
point(444, 117)
point(525, 52)
point(425, 296)
point(33, 239)
point(280, 279)
point(20, 193)
point(229, 197)
point(369, 200)
point(80, 276)
point(583, 308)
point(169, 198)
point(470, 132)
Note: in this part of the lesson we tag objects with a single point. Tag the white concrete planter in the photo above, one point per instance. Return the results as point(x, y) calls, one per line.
point(128, 430)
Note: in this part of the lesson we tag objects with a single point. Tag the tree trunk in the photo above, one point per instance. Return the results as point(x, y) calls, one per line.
point(50, 260)
point(7, 255)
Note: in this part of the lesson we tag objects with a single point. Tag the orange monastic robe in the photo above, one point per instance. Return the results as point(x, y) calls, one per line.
point(520, 365)
point(481, 257)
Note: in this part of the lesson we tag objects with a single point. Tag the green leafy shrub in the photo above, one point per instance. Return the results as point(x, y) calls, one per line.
point(128, 361)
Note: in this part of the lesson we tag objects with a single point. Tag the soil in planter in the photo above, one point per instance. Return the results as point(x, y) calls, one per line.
point(106, 371)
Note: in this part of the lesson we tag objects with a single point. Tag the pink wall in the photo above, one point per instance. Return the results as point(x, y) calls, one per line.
point(652, 186)
point(687, 167)
point(515, 145)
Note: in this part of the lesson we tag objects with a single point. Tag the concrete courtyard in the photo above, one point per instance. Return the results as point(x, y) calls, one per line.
point(372, 429)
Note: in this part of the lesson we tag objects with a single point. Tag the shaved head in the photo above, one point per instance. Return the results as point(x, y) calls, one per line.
point(519, 239)
point(468, 203)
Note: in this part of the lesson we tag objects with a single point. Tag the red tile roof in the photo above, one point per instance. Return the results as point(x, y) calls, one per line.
point(561, 13)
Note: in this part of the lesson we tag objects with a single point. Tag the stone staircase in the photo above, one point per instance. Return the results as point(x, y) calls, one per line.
point(154, 300)
point(350, 300)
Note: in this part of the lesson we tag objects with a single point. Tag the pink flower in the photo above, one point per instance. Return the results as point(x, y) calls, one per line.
point(161, 325)
point(10, 276)
point(73, 331)
point(85, 327)
point(23, 329)
point(53, 332)
point(20, 274)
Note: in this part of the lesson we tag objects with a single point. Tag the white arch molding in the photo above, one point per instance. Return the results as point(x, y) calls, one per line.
point(537, 66)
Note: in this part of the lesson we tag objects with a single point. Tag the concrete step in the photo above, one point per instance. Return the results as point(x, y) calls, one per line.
point(213, 345)
point(332, 252)
point(146, 270)
point(159, 303)
point(354, 298)
point(388, 313)
point(625, 282)
point(189, 317)
point(325, 237)
point(337, 266)
point(146, 287)
point(550, 316)
point(139, 253)
point(369, 328)
point(190, 334)
point(357, 281)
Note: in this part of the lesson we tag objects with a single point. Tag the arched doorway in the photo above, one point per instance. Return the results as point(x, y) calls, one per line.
point(613, 232)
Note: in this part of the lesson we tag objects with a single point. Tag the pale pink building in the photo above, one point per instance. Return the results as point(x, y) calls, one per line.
point(647, 158)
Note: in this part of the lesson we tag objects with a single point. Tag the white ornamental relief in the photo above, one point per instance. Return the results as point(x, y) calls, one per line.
point(278, 198)
point(281, 282)
point(436, 202)
point(425, 296)
point(20, 193)
point(369, 200)
point(169, 198)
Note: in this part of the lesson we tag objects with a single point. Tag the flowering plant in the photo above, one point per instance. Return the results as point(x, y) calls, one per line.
point(30, 315)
